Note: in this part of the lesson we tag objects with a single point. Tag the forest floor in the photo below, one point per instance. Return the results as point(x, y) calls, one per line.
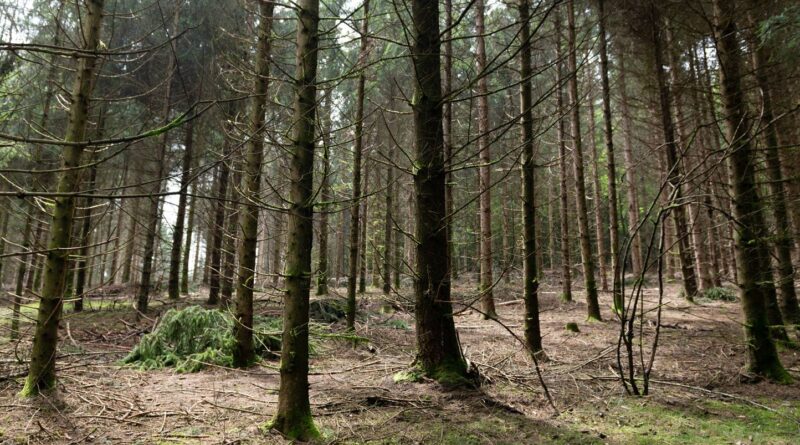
point(695, 397)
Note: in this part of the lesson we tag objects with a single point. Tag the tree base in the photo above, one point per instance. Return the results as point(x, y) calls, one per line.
point(34, 388)
point(297, 427)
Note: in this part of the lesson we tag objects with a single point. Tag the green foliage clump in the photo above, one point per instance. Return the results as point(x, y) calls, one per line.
point(719, 294)
point(191, 338)
point(572, 327)
point(397, 323)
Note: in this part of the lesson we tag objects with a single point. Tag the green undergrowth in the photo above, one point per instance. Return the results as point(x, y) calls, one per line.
point(192, 338)
point(634, 421)
point(719, 294)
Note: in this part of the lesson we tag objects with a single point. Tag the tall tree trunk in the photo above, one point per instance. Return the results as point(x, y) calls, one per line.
point(439, 352)
point(243, 353)
point(566, 266)
point(21, 270)
point(592, 305)
point(229, 243)
point(174, 283)
point(42, 371)
point(752, 251)
point(154, 216)
point(355, 205)
point(783, 237)
point(448, 138)
point(130, 244)
point(293, 417)
point(362, 265)
point(388, 228)
point(533, 335)
point(674, 173)
point(6, 217)
point(484, 172)
point(617, 270)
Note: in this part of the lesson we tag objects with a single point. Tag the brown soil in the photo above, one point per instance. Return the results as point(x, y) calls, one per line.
point(353, 395)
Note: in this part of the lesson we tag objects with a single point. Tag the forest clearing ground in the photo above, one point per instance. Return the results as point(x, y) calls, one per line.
point(355, 400)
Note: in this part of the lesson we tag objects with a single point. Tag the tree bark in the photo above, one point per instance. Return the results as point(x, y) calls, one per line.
point(42, 372)
point(484, 172)
point(566, 266)
point(174, 283)
point(355, 206)
point(293, 417)
point(439, 353)
point(327, 196)
point(243, 353)
point(84, 240)
point(592, 305)
point(533, 335)
point(752, 251)
point(218, 229)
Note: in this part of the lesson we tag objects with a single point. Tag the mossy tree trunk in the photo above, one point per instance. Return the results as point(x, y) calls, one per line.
point(42, 370)
point(355, 205)
point(592, 305)
point(439, 353)
point(783, 238)
point(751, 233)
point(533, 335)
point(251, 187)
point(293, 417)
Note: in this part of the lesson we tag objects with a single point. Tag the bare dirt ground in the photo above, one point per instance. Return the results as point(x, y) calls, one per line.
point(696, 396)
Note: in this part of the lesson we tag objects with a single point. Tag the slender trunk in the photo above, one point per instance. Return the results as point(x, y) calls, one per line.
point(174, 283)
point(592, 305)
point(218, 229)
point(130, 245)
point(357, 154)
point(84, 240)
point(674, 173)
point(229, 240)
point(293, 417)
point(184, 288)
point(388, 228)
point(6, 216)
point(447, 129)
point(533, 336)
point(143, 294)
point(599, 228)
point(617, 270)
point(630, 174)
point(755, 274)
point(41, 374)
point(21, 270)
point(566, 266)
point(484, 172)
point(243, 353)
point(327, 196)
point(362, 265)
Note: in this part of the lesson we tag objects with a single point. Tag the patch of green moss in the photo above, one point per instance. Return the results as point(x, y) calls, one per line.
point(572, 327)
point(706, 422)
point(412, 375)
point(302, 428)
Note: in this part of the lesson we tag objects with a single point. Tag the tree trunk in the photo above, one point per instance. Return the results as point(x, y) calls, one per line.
point(23, 266)
point(293, 417)
point(448, 138)
point(566, 266)
point(357, 154)
point(388, 227)
point(599, 228)
point(229, 240)
point(84, 238)
point(243, 353)
point(592, 305)
point(630, 174)
point(439, 353)
point(783, 236)
point(484, 172)
point(533, 336)
point(174, 283)
point(617, 269)
point(184, 288)
point(327, 196)
point(154, 216)
point(41, 374)
point(218, 229)
point(674, 173)
point(752, 251)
